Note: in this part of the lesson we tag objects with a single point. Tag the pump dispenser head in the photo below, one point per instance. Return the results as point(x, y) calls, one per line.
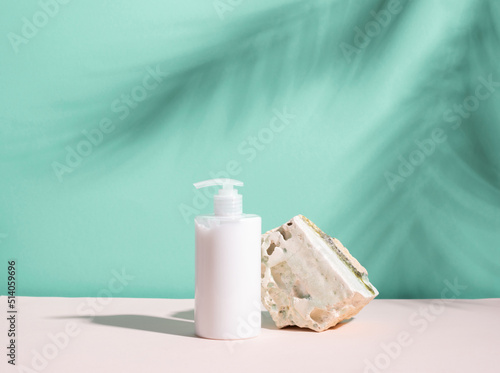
point(228, 202)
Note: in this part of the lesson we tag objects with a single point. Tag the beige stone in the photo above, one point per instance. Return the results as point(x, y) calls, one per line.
point(310, 279)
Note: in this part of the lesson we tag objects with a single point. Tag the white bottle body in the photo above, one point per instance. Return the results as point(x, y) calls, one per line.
point(228, 267)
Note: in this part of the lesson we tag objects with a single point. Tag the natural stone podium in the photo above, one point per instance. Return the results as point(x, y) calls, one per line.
point(310, 279)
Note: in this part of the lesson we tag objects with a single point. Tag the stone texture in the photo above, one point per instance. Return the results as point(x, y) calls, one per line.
point(310, 279)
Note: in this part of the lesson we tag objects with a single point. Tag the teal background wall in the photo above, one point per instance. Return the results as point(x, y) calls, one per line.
point(377, 120)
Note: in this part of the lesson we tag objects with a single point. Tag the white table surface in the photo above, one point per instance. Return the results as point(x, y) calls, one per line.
point(157, 335)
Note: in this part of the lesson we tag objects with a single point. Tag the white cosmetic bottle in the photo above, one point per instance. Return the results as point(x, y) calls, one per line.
point(227, 290)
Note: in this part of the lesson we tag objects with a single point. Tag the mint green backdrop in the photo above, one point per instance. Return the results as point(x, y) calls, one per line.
point(378, 120)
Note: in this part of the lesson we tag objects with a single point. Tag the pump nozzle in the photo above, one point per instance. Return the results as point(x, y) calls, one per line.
point(226, 183)
point(228, 201)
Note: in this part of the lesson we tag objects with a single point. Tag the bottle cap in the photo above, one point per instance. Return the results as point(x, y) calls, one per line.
point(227, 202)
